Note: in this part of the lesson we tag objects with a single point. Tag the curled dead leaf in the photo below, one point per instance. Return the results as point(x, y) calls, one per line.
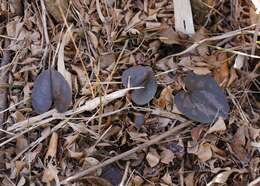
point(50, 174)
point(153, 158)
point(219, 125)
point(221, 178)
point(169, 36)
point(204, 153)
point(54, 8)
point(165, 99)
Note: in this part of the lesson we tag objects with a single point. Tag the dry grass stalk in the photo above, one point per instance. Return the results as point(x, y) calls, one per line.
point(127, 153)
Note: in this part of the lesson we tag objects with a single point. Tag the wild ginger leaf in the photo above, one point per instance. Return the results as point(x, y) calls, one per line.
point(61, 91)
point(140, 76)
point(50, 86)
point(204, 101)
point(42, 92)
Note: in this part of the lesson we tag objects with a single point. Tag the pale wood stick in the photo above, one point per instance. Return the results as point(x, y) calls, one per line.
point(183, 16)
point(215, 38)
point(128, 153)
point(88, 106)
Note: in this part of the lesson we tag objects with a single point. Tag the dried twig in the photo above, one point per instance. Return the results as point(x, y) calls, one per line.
point(52, 114)
point(45, 30)
point(54, 129)
point(76, 48)
point(215, 38)
point(122, 183)
point(3, 84)
point(254, 182)
point(127, 153)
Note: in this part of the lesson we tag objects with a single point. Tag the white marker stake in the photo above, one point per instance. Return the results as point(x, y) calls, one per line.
point(183, 16)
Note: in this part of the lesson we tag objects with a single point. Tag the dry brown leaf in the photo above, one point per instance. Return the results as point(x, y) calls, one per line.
point(167, 179)
point(165, 99)
point(254, 133)
point(233, 77)
point(52, 7)
point(167, 156)
point(253, 16)
point(31, 156)
point(52, 148)
point(107, 59)
point(200, 70)
point(50, 174)
point(218, 151)
point(198, 36)
point(75, 155)
point(14, 28)
point(19, 165)
point(21, 144)
point(204, 153)
point(136, 136)
point(134, 21)
point(221, 178)
point(153, 26)
point(219, 125)
point(221, 74)
point(169, 36)
point(70, 139)
point(192, 147)
point(21, 182)
point(137, 180)
point(89, 162)
point(153, 158)
point(18, 7)
point(81, 75)
point(93, 38)
point(196, 132)
point(238, 145)
point(241, 153)
point(189, 180)
point(240, 136)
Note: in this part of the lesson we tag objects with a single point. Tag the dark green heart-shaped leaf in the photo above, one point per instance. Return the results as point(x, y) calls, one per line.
point(112, 174)
point(61, 91)
point(50, 86)
point(195, 82)
point(140, 76)
point(42, 92)
point(204, 101)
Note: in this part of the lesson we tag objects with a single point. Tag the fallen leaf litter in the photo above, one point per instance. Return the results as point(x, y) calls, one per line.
point(189, 113)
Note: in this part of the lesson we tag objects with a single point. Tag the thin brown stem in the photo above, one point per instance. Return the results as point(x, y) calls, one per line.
point(128, 153)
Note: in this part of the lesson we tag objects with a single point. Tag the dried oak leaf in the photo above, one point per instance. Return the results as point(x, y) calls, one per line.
point(204, 101)
point(50, 86)
point(140, 76)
